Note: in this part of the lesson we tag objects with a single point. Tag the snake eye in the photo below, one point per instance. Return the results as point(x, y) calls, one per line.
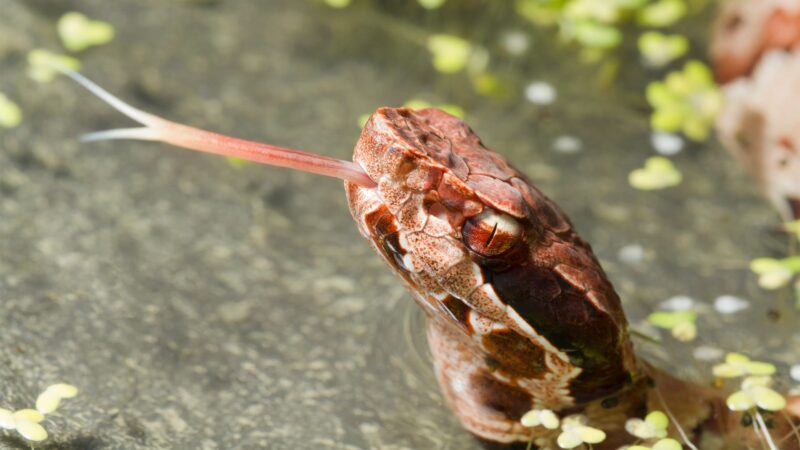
point(491, 233)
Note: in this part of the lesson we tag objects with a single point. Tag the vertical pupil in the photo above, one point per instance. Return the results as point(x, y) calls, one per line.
point(491, 233)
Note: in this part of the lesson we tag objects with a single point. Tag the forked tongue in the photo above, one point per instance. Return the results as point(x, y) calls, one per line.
point(157, 129)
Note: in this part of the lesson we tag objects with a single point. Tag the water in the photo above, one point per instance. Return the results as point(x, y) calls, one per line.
point(197, 305)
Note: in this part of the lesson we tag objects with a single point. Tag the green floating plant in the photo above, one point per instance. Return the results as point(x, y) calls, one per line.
point(659, 49)
point(738, 365)
point(594, 23)
point(236, 163)
point(575, 432)
point(10, 113)
point(654, 425)
point(338, 4)
point(687, 100)
point(662, 13)
point(574, 429)
point(431, 4)
point(450, 53)
point(661, 444)
point(793, 228)
point(540, 417)
point(775, 273)
point(27, 422)
point(755, 392)
point(658, 173)
point(78, 32)
point(40, 64)
point(680, 323)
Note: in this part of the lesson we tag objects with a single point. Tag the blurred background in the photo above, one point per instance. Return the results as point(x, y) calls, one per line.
point(204, 303)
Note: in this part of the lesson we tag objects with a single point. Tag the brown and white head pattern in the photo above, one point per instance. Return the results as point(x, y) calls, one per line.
point(490, 259)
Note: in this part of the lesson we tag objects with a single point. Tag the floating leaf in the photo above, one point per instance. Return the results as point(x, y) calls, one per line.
point(47, 402)
point(756, 392)
point(10, 114)
point(658, 173)
point(431, 4)
point(597, 35)
point(662, 13)
point(793, 227)
point(450, 53)
point(660, 49)
point(667, 444)
point(77, 32)
point(31, 415)
point(737, 365)
point(575, 432)
point(680, 323)
point(338, 4)
point(543, 417)
point(669, 319)
point(687, 100)
point(31, 431)
point(775, 273)
point(40, 64)
point(7, 420)
point(63, 390)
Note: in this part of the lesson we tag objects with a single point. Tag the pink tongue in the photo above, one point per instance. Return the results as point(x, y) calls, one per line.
point(158, 129)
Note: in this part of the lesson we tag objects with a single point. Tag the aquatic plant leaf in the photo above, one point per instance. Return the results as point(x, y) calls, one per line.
point(740, 401)
point(591, 435)
point(659, 49)
point(450, 53)
point(597, 35)
point(431, 4)
point(62, 390)
point(684, 331)
point(669, 319)
point(667, 444)
point(687, 100)
point(756, 392)
point(543, 417)
point(737, 365)
point(31, 431)
point(568, 440)
point(538, 12)
point(338, 4)
point(47, 402)
point(774, 273)
point(658, 173)
point(7, 420)
point(77, 32)
point(10, 113)
point(657, 420)
point(28, 414)
point(662, 13)
point(40, 64)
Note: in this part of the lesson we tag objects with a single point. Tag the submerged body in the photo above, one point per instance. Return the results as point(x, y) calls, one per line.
point(520, 313)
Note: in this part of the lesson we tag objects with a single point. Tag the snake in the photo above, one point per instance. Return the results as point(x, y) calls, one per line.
point(520, 314)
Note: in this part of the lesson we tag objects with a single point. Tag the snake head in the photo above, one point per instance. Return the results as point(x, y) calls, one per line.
point(484, 250)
